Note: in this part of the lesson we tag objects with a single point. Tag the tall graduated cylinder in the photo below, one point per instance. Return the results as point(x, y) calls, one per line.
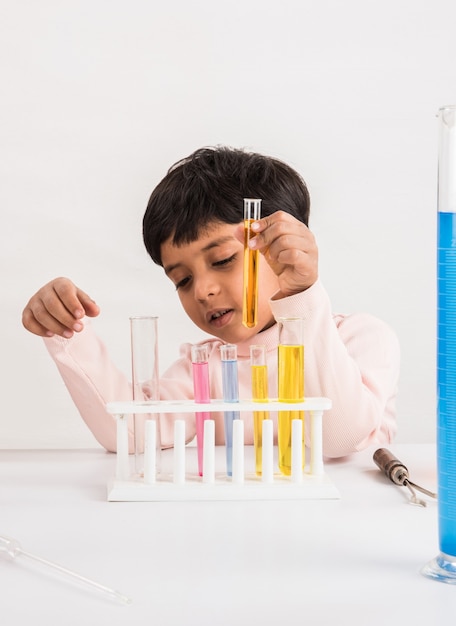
point(443, 567)
point(145, 379)
point(290, 384)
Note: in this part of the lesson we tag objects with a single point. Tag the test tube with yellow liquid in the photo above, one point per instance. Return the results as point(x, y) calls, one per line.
point(290, 386)
point(259, 370)
point(252, 212)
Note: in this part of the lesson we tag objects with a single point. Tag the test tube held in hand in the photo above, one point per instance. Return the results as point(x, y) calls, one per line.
point(230, 385)
point(252, 212)
point(145, 380)
point(291, 386)
point(201, 389)
point(259, 372)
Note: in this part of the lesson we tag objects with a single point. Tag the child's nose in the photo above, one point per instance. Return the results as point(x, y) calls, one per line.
point(204, 288)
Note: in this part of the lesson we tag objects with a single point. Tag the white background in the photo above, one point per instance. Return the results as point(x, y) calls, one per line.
point(99, 97)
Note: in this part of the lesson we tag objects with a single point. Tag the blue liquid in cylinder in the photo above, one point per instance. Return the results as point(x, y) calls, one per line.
point(446, 381)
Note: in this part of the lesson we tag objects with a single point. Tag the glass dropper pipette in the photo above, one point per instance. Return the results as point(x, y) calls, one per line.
point(10, 549)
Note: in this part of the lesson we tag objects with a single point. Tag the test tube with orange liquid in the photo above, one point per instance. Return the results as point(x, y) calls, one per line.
point(259, 371)
point(252, 212)
point(291, 385)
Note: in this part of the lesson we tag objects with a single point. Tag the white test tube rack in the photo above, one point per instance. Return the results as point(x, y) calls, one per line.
point(310, 483)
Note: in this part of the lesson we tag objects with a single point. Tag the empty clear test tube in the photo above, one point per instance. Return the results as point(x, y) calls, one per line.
point(228, 354)
point(145, 379)
point(200, 368)
point(252, 212)
point(259, 370)
point(290, 385)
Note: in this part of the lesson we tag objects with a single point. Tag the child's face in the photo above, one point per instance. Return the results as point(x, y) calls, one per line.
point(208, 275)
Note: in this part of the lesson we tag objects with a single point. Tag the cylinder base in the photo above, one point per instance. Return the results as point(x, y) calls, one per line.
point(442, 568)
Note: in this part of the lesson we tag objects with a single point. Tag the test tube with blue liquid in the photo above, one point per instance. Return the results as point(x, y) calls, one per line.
point(200, 368)
point(443, 566)
point(230, 383)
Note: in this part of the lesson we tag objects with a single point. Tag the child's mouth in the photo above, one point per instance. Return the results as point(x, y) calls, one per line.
point(219, 314)
point(219, 318)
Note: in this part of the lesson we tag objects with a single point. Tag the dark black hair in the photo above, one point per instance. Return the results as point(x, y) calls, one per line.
point(210, 185)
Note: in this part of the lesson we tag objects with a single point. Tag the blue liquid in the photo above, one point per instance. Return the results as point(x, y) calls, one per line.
point(446, 381)
point(230, 394)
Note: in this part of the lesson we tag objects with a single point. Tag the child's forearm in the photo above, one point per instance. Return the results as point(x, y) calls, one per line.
point(92, 380)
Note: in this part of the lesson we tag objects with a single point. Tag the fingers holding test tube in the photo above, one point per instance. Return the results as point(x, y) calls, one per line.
point(290, 249)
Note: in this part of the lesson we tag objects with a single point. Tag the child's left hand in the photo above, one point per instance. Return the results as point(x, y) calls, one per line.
point(290, 249)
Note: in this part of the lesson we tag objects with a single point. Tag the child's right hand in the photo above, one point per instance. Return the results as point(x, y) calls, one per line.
point(57, 309)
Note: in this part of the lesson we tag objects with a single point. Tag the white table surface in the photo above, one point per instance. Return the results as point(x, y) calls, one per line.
point(353, 561)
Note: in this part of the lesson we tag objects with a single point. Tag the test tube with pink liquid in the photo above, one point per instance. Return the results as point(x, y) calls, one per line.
point(200, 367)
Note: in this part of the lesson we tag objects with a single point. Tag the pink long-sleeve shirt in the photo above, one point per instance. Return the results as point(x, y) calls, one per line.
point(351, 359)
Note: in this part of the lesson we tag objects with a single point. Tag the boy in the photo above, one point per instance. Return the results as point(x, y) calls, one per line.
point(193, 228)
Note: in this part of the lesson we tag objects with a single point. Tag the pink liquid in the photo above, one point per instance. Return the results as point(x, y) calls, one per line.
point(201, 382)
point(202, 396)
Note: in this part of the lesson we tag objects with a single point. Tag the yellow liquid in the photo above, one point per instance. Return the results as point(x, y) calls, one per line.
point(259, 394)
point(250, 288)
point(291, 389)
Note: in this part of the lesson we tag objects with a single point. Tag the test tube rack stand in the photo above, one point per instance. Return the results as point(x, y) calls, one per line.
point(310, 483)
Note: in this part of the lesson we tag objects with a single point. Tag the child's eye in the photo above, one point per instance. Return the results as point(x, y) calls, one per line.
point(182, 283)
point(225, 261)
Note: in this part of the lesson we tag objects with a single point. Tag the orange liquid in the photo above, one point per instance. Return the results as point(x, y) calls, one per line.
point(291, 389)
point(250, 288)
point(260, 394)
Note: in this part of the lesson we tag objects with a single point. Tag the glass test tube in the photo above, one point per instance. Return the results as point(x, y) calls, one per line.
point(228, 353)
point(145, 380)
point(200, 368)
point(443, 567)
point(259, 371)
point(291, 386)
point(252, 212)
